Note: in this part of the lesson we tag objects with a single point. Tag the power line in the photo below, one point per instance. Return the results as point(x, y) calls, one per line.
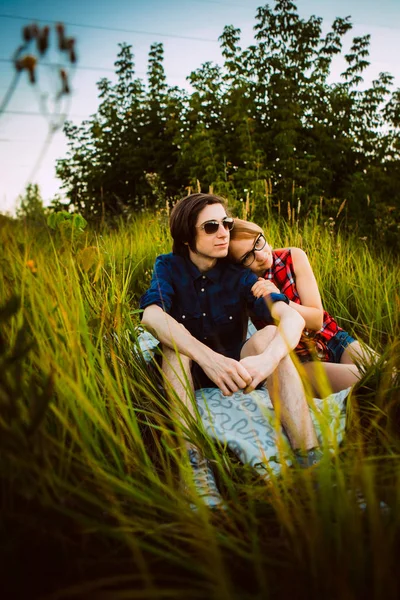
point(88, 68)
point(105, 28)
point(16, 141)
point(227, 4)
point(42, 154)
point(36, 114)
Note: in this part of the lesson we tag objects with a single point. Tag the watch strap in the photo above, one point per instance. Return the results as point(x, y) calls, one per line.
point(274, 297)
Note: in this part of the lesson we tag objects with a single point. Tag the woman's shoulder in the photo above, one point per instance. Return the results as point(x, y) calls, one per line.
point(299, 257)
point(294, 259)
point(288, 249)
point(291, 252)
point(282, 254)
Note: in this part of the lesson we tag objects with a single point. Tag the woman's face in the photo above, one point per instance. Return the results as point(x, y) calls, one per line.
point(255, 253)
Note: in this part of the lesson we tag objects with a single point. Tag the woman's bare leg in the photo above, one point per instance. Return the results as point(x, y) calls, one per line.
point(327, 378)
point(359, 354)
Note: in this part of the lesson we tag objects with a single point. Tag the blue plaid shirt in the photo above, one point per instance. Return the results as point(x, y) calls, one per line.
point(213, 306)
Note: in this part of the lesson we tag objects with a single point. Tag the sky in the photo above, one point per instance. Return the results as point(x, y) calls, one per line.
point(189, 30)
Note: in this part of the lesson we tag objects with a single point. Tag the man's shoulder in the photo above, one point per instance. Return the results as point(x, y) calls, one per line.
point(237, 272)
point(227, 265)
point(169, 259)
point(165, 257)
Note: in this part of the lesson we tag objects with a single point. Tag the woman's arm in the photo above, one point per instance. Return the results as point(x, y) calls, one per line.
point(311, 306)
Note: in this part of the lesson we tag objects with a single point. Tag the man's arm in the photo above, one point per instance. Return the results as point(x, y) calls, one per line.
point(171, 333)
point(289, 330)
point(311, 306)
point(264, 360)
point(272, 309)
point(228, 374)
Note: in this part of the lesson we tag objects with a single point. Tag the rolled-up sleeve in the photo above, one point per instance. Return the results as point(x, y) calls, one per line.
point(257, 306)
point(161, 290)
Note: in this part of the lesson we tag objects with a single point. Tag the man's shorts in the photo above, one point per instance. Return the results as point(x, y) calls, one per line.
point(150, 348)
point(200, 379)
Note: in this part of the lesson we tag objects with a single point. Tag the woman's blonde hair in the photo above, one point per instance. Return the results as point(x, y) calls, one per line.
point(243, 230)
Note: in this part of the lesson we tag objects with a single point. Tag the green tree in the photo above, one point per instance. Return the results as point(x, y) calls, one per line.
point(101, 174)
point(131, 134)
point(267, 124)
point(31, 205)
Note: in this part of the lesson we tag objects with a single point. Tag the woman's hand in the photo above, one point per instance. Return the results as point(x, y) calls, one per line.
point(263, 287)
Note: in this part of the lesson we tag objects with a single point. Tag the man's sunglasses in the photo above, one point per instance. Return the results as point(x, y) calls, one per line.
point(211, 227)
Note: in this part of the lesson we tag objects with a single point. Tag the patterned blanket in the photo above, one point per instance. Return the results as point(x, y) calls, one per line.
point(247, 424)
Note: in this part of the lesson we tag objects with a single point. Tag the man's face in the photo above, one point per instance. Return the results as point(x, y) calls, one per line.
point(214, 245)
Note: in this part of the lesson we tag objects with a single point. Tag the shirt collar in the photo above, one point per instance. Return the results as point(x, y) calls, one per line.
point(213, 274)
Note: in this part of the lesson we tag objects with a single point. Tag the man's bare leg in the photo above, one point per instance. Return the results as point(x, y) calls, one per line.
point(179, 382)
point(286, 392)
point(178, 379)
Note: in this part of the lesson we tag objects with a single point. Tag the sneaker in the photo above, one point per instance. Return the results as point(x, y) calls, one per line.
point(310, 460)
point(362, 503)
point(305, 459)
point(203, 479)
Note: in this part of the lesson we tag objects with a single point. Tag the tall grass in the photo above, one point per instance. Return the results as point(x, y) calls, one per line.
point(90, 463)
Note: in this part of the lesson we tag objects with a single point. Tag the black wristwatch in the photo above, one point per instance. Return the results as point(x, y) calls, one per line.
point(278, 298)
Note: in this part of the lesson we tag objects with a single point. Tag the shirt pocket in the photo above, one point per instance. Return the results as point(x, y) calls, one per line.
point(230, 314)
point(189, 318)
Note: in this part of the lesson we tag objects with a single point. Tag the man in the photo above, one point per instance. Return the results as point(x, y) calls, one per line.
point(197, 307)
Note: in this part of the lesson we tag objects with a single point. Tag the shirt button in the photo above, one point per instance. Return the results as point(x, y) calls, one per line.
point(203, 277)
point(231, 317)
point(183, 317)
point(205, 337)
point(202, 290)
point(204, 315)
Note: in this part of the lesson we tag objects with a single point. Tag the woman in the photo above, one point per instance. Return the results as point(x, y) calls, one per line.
point(288, 271)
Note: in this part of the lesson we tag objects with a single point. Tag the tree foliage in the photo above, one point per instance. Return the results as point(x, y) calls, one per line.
point(267, 122)
point(30, 207)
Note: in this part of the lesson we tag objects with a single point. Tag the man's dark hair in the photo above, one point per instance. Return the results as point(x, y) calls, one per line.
point(183, 218)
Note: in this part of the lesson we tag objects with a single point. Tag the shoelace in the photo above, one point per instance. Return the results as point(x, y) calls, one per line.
point(308, 458)
point(203, 476)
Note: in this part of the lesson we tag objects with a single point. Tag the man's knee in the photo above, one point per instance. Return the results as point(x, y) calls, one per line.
point(267, 333)
point(258, 342)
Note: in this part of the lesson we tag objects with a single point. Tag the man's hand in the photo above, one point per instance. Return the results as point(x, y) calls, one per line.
point(259, 369)
point(264, 287)
point(228, 374)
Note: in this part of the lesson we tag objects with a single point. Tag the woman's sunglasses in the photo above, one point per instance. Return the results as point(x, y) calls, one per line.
point(211, 227)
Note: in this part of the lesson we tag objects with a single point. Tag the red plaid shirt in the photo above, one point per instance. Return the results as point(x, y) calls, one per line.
point(312, 344)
